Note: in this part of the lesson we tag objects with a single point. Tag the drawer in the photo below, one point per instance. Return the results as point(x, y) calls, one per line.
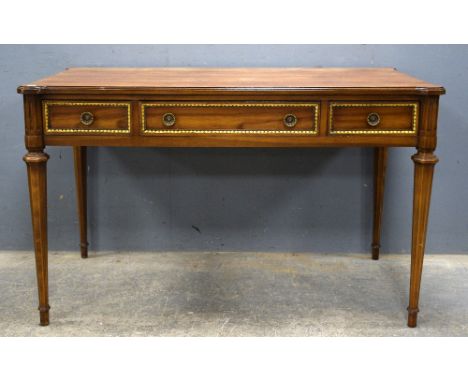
point(229, 118)
point(62, 117)
point(373, 118)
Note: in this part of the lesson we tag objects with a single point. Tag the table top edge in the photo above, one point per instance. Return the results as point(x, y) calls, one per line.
point(185, 80)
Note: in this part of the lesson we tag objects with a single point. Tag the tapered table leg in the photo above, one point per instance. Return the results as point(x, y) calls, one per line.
point(81, 193)
point(424, 162)
point(37, 178)
point(380, 166)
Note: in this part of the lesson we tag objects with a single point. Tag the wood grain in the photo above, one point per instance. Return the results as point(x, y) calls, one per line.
point(353, 117)
point(245, 117)
point(231, 140)
point(65, 117)
point(156, 79)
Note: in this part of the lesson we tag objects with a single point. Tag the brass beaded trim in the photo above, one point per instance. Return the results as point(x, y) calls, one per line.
point(414, 125)
point(201, 104)
point(45, 105)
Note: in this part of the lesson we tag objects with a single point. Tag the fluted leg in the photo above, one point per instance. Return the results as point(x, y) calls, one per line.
point(81, 193)
point(380, 166)
point(37, 178)
point(424, 162)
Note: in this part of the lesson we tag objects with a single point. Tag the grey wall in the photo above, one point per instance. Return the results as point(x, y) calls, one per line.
point(239, 199)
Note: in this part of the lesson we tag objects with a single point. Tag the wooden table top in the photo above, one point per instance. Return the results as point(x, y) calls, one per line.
point(147, 79)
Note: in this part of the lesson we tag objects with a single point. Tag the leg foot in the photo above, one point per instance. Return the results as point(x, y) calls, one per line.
point(375, 251)
point(44, 315)
point(412, 317)
point(84, 250)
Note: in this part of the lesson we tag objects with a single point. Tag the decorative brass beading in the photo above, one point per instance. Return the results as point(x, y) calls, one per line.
point(414, 125)
point(48, 130)
point(314, 131)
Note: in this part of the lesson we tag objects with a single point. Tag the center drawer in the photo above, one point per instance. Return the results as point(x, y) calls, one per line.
point(229, 118)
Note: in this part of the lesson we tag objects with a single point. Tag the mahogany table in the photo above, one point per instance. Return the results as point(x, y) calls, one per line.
point(238, 107)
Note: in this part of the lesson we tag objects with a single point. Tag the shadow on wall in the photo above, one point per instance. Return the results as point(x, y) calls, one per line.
point(227, 199)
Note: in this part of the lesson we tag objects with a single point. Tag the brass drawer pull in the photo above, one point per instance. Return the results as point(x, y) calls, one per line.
point(168, 119)
point(290, 120)
point(87, 118)
point(373, 119)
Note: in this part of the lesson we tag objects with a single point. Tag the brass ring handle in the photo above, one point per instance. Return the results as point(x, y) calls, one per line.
point(87, 118)
point(290, 120)
point(373, 119)
point(168, 119)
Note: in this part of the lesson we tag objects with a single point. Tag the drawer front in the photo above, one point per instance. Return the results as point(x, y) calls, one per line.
point(373, 118)
point(229, 118)
point(69, 117)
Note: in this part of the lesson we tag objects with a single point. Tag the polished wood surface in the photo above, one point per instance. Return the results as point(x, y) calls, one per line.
point(234, 78)
point(67, 117)
point(238, 118)
point(235, 107)
point(353, 118)
point(258, 123)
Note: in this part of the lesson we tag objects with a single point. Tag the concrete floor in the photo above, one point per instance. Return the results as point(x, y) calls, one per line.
point(232, 294)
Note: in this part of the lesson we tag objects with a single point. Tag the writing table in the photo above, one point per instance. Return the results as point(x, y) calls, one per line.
point(237, 107)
